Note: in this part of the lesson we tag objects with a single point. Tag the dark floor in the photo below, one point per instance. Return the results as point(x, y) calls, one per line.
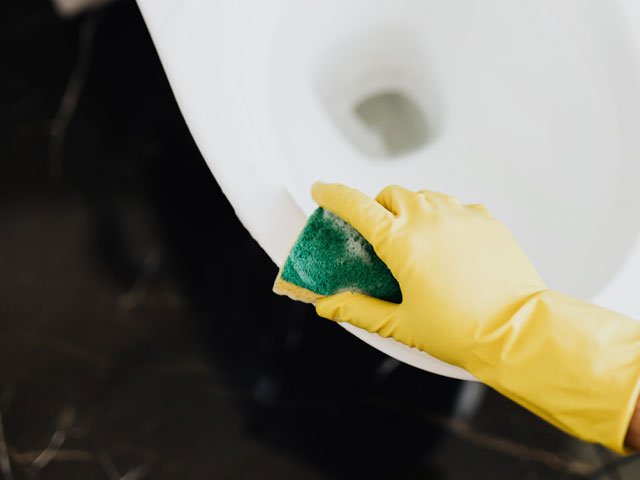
point(139, 336)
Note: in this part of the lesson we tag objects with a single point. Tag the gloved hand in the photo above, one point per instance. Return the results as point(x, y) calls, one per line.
point(472, 298)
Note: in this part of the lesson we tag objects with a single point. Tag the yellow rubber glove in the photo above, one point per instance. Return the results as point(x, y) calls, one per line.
point(472, 298)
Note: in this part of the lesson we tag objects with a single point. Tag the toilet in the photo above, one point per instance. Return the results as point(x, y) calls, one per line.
point(532, 108)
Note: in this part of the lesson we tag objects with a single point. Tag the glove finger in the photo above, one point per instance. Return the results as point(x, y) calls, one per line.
point(368, 313)
point(478, 208)
point(395, 198)
point(435, 197)
point(363, 213)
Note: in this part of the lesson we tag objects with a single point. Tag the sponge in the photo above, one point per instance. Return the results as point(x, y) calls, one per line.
point(329, 257)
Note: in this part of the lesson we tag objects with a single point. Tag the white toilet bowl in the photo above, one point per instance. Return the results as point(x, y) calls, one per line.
point(532, 108)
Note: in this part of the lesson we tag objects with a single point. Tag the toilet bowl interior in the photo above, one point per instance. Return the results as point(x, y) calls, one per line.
point(529, 108)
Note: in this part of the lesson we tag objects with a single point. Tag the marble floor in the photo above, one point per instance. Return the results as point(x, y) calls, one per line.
point(139, 337)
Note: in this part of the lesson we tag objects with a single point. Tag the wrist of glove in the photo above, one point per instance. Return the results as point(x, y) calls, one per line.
point(472, 298)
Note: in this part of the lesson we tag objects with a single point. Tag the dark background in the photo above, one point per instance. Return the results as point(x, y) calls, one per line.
point(139, 337)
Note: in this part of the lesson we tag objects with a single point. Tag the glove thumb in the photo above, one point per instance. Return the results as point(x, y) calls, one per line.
point(368, 313)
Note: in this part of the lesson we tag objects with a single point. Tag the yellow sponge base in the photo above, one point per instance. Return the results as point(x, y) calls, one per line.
point(282, 287)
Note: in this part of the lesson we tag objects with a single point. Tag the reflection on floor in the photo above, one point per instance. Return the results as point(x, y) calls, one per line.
point(139, 337)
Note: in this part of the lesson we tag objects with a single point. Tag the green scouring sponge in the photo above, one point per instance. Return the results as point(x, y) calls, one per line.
point(329, 257)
